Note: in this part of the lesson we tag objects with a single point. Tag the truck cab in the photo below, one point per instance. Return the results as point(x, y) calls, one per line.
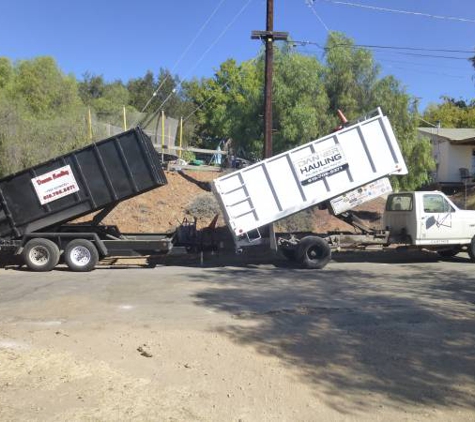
point(427, 218)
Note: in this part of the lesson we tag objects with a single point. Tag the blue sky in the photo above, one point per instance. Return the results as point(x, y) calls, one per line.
point(124, 39)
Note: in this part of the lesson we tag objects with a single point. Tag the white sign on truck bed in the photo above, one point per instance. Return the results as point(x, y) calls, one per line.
point(309, 174)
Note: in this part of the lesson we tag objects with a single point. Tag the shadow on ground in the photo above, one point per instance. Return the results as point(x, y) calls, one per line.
point(397, 335)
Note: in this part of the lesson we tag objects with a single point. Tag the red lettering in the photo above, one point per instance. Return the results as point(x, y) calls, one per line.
point(60, 174)
point(41, 181)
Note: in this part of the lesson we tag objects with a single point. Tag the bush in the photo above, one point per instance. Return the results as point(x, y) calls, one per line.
point(203, 206)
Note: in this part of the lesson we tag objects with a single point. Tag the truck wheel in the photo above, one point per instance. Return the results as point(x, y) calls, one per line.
point(313, 252)
point(41, 254)
point(81, 255)
point(471, 249)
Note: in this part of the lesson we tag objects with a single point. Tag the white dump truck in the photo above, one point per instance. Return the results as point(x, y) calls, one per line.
point(339, 171)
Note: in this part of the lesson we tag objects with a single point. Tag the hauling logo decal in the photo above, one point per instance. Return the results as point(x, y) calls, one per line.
point(55, 184)
point(320, 164)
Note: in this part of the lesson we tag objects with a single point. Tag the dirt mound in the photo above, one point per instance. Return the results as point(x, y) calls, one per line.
point(188, 196)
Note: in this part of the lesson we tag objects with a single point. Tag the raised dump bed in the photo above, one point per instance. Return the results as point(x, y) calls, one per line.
point(308, 175)
point(92, 178)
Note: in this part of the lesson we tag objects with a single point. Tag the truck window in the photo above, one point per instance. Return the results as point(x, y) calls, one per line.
point(400, 202)
point(434, 203)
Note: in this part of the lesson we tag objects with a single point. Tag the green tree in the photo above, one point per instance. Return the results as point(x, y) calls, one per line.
point(228, 106)
point(6, 72)
point(451, 113)
point(141, 90)
point(307, 95)
point(91, 87)
point(41, 113)
point(354, 86)
point(301, 102)
point(350, 76)
point(43, 88)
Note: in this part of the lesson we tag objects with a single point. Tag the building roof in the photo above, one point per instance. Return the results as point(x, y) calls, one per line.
point(454, 136)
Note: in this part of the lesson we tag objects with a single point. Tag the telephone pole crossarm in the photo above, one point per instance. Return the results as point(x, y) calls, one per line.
point(274, 35)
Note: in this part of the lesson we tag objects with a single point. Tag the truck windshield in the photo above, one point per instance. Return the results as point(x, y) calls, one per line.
point(399, 202)
point(434, 203)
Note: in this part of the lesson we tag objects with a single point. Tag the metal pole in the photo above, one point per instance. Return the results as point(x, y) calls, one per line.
point(268, 80)
point(125, 118)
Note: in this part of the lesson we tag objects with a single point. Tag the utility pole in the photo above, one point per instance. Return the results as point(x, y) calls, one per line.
point(268, 36)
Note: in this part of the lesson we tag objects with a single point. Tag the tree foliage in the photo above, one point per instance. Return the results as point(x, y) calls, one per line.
point(41, 113)
point(451, 113)
point(307, 95)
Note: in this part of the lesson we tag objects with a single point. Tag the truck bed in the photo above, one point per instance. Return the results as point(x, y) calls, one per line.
point(309, 174)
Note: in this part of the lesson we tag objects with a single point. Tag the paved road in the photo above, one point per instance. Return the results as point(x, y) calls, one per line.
point(373, 336)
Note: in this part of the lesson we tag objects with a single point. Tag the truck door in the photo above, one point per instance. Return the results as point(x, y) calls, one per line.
point(438, 222)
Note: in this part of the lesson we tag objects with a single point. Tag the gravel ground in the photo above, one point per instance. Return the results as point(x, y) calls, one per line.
point(372, 337)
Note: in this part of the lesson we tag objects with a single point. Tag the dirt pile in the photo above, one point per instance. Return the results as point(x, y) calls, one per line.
point(161, 210)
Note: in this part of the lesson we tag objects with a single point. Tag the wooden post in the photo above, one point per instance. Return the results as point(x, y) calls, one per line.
point(89, 123)
point(181, 137)
point(125, 118)
point(163, 132)
point(268, 36)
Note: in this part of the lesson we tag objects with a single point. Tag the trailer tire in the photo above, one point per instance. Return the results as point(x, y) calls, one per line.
point(40, 254)
point(313, 252)
point(81, 255)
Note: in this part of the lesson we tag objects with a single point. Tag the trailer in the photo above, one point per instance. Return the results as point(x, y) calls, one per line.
point(38, 204)
point(353, 158)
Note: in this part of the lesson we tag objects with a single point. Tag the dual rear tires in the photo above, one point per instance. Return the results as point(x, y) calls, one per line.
point(312, 252)
point(40, 254)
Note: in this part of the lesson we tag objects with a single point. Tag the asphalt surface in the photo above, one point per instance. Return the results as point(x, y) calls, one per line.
point(373, 336)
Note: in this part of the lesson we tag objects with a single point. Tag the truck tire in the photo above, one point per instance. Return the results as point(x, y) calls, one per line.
point(313, 252)
point(471, 249)
point(40, 254)
point(81, 255)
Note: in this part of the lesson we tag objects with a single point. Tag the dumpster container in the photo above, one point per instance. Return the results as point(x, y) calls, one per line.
point(64, 188)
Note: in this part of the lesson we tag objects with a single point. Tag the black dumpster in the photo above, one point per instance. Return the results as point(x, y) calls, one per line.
point(97, 176)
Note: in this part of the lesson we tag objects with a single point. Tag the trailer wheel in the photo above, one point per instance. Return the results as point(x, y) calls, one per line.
point(313, 252)
point(81, 255)
point(41, 254)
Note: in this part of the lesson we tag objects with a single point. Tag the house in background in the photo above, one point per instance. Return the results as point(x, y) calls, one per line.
point(454, 153)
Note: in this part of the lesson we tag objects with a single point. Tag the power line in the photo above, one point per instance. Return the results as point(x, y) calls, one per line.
point(433, 56)
point(310, 4)
point(200, 31)
point(410, 51)
point(204, 54)
point(388, 47)
point(218, 38)
point(203, 103)
point(414, 63)
point(425, 72)
point(406, 12)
